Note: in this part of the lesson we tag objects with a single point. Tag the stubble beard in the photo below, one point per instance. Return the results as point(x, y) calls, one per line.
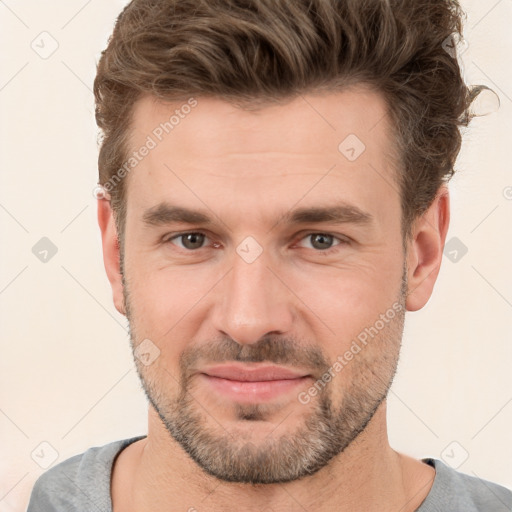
point(284, 455)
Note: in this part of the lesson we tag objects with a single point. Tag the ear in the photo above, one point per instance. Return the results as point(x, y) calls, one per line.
point(425, 250)
point(111, 254)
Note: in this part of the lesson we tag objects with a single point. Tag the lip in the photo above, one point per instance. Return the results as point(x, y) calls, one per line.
point(247, 384)
point(258, 373)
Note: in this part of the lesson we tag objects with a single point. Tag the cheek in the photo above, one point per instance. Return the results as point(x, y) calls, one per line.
point(346, 300)
point(164, 301)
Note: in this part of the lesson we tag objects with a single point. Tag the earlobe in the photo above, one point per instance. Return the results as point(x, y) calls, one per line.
point(425, 250)
point(111, 252)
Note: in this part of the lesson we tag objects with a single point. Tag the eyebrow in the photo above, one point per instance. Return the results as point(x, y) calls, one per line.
point(165, 213)
point(339, 214)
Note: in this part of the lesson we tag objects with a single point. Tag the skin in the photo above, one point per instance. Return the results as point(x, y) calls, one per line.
point(246, 170)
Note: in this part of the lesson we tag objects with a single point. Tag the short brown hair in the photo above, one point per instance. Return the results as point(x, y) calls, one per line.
point(252, 52)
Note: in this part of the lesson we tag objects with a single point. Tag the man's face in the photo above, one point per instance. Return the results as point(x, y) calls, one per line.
point(260, 284)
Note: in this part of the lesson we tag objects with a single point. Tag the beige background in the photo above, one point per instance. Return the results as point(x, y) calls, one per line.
point(67, 377)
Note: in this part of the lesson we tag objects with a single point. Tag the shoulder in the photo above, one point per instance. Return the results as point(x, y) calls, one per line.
point(458, 491)
point(81, 482)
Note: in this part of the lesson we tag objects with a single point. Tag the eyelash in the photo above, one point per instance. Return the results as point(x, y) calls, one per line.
point(331, 250)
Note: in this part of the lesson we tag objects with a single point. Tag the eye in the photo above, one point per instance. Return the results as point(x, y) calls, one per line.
point(324, 241)
point(189, 241)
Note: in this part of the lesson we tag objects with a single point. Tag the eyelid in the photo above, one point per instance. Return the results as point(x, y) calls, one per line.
point(170, 237)
point(343, 240)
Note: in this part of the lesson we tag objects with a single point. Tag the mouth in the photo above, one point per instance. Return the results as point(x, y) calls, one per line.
point(253, 384)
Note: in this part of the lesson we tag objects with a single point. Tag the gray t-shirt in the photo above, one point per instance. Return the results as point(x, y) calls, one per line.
point(82, 484)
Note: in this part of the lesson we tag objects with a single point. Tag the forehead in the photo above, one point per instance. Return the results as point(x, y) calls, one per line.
point(312, 122)
point(209, 148)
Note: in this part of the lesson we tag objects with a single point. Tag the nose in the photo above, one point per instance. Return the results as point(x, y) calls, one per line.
point(252, 302)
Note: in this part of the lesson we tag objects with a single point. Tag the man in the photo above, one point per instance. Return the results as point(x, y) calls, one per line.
point(273, 199)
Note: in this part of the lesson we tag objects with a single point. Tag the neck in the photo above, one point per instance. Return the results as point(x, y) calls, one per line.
point(368, 476)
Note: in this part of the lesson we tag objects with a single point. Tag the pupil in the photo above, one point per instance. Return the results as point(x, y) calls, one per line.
point(323, 239)
point(194, 239)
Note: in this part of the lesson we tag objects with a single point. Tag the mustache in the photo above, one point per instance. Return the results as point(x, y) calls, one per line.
point(270, 349)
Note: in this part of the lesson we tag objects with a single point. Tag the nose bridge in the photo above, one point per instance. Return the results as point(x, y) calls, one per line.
point(253, 302)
